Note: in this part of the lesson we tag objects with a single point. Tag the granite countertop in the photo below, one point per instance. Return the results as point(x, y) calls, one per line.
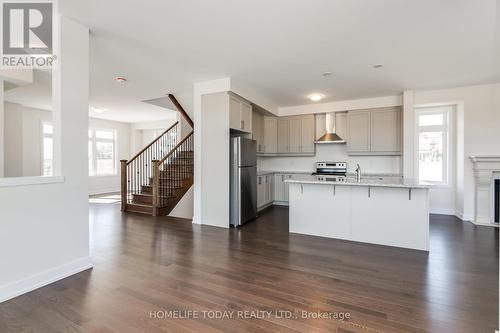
point(310, 172)
point(365, 181)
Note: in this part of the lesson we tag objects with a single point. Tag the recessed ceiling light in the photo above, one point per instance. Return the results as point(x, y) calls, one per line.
point(121, 79)
point(378, 66)
point(327, 73)
point(316, 97)
point(98, 110)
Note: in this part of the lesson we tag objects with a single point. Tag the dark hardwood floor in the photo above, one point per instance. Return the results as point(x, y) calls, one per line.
point(145, 267)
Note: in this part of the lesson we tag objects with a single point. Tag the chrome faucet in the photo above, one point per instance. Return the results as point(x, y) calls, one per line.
point(358, 173)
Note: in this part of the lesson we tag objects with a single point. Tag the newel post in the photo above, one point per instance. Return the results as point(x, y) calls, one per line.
point(123, 164)
point(156, 186)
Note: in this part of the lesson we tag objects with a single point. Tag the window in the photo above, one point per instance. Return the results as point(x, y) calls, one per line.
point(47, 149)
point(102, 152)
point(433, 137)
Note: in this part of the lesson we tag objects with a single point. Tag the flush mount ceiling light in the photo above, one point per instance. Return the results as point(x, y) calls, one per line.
point(98, 110)
point(327, 73)
point(121, 79)
point(316, 97)
point(378, 66)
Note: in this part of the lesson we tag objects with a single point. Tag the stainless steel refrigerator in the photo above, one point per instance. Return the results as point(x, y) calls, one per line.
point(243, 191)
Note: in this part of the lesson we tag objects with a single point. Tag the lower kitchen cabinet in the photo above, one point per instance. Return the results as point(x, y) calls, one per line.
point(265, 191)
point(272, 189)
point(281, 188)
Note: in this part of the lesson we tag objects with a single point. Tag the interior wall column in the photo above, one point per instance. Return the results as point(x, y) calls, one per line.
point(200, 89)
point(2, 130)
point(408, 135)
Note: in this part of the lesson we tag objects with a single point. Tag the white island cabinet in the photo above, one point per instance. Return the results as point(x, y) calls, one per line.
point(392, 213)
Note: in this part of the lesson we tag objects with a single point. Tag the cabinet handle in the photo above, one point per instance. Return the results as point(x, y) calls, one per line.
point(334, 190)
point(243, 124)
point(409, 194)
point(302, 189)
point(282, 178)
point(260, 148)
point(369, 192)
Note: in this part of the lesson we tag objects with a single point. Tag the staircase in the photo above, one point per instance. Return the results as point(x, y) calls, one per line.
point(155, 180)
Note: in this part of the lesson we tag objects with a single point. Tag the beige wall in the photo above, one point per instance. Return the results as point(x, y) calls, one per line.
point(23, 140)
point(109, 184)
point(481, 132)
point(48, 239)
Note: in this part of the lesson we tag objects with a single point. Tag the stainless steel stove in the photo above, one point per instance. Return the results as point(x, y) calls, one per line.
point(331, 171)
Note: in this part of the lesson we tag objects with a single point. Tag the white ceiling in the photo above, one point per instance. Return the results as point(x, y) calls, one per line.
point(282, 47)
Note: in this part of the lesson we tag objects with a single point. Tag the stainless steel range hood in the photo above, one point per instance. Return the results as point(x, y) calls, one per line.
point(330, 136)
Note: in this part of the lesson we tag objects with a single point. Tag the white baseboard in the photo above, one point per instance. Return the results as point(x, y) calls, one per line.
point(487, 224)
point(105, 191)
point(44, 278)
point(442, 211)
point(451, 212)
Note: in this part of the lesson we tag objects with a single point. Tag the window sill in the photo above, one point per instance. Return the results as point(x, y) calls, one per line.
point(25, 181)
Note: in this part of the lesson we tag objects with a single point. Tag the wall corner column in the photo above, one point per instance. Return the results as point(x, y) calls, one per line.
point(200, 89)
point(408, 135)
point(2, 130)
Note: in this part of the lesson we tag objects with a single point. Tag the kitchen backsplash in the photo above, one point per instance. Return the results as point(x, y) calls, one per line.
point(332, 153)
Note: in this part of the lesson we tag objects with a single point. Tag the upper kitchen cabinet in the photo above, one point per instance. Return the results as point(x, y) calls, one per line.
point(240, 114)
point(374, 132)
point(270, 135)
point(258, 131)
point(296, 135)
point(358, 131)
point(265, 133)
point(283, 131)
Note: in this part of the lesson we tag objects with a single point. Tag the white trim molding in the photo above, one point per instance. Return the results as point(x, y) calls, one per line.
point(23, 286)
point(484, 168)
point(25, 181)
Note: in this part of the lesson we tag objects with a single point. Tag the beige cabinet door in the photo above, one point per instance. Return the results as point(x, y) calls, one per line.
point(279, 187)
point(295, 135)
point(283, 135)
point(307, 134)
point(246, 117)
point(287, 187)
point(261, 191)
point(358, 131)
point(386, 131)
point(269, 189)
point(234, 113)
point(341, 124)
point(258, 131)
point(270, 135)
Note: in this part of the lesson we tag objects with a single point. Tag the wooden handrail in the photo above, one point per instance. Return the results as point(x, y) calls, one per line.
point(152, 143)
point(181, 110)
point(175, 148)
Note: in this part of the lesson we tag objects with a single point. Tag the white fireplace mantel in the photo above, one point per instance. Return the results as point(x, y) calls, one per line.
point(485, 168)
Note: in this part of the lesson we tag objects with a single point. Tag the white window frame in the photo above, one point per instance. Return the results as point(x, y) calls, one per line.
point(92, 138)
point(42, 146)
point(445, 110)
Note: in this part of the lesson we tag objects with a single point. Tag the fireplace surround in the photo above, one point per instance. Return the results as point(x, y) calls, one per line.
point(487, 179)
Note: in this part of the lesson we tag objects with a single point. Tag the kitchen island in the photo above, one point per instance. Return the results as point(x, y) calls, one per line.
point(391, 212)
